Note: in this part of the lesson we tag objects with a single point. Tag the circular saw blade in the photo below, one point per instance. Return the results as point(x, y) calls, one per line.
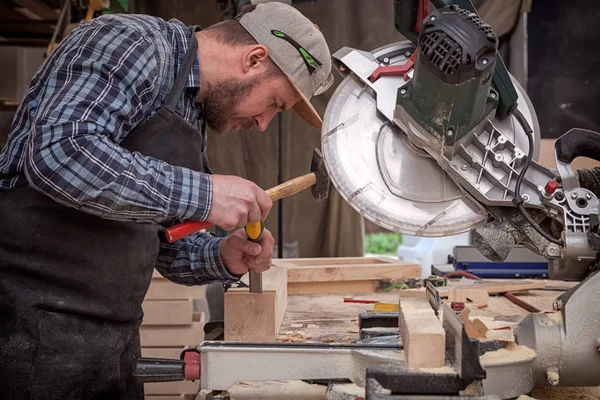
point(384, 177)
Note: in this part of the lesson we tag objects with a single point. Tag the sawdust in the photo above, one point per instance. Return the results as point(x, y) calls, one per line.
point(346, 389)
point(562, 393)
point(512, 352)
point(440, 370)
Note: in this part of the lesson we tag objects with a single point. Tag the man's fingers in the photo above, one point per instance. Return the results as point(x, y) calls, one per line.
point(242, 244)
point(264, 202)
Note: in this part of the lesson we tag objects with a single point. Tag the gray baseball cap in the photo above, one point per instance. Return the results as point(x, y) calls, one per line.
point(297, 47)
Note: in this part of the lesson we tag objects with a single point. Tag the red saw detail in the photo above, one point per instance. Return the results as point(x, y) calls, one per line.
point(394, 70)
point(192, 365)
point(422, 12)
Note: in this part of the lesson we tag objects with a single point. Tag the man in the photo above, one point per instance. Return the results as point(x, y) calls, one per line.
point(104, 151)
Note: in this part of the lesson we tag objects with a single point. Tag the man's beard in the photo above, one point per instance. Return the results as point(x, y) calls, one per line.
point(222, 100)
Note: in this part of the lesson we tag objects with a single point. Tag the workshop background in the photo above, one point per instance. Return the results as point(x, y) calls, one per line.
point(548, 45)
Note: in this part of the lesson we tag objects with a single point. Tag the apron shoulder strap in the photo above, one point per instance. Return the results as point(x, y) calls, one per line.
point(182, 75)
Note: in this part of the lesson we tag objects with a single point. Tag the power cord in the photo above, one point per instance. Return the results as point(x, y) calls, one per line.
point(518, 201)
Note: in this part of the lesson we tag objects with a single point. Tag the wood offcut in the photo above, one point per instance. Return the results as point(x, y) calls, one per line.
point(423, 336)
point(256, 317)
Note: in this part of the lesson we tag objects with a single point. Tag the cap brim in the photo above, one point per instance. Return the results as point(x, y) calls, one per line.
point(306, 110)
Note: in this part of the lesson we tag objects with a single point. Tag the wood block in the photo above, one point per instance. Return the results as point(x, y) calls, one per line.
point(423, 336)
point(167, 388)
point(343, 287)
point(257, 316)
point(162, 352)
point(348, 269)
point(168, 312)
point(164, 289)
point(172, 336)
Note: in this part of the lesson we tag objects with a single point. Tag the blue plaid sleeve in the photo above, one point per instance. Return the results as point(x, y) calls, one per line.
point(95, 88)
point(194, 260)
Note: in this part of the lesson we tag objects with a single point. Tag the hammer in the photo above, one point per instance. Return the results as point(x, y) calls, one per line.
point(317, 180)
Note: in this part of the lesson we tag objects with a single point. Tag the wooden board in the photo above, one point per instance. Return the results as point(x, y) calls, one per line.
point(492, 287)
point(168, 312)
point(257, 316)
point(169, 388)
point(423, 336)
point(548, 160)
point(344, 287)
point(163, 289)
point(399, 271)
point(162, 352)
point(172, 336)
point(344, 275)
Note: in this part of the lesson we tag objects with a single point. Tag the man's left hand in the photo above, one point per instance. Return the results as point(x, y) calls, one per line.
point(240, 255)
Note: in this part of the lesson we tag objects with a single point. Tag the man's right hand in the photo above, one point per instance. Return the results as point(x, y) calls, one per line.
point(237, 202)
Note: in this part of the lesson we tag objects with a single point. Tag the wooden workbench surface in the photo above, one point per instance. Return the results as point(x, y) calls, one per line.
point(328, 318)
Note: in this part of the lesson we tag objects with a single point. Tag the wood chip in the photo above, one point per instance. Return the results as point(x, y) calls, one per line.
point(352, 330)
point(474, 328)
point(297, 325)
point(312, 326)
point(328, 340)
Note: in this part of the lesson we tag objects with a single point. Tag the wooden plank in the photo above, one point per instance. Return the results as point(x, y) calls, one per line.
point(162, 352)
point(39, 8)
point(333, 261)
point(163, 289)
point(343, 287)
point(491, 287)
point(172, 336)
point(548, 160)
point(169, 388)
point(257, 316)
point(400, 271)
point(423, 336)
point(495, 287)
point(168, 312)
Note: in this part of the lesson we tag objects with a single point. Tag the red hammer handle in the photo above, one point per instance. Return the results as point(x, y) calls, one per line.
point(184, 229)
point(286, 189)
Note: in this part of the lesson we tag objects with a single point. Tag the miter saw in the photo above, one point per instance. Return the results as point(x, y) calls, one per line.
point(432, 137)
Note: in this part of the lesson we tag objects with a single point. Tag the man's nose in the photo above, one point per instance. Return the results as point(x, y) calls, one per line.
point(262, 120)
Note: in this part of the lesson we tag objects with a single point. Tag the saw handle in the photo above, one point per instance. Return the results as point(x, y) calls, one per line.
point(293, 186)
point(578, 143)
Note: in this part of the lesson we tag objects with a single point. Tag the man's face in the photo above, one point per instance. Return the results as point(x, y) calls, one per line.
point(247, 103)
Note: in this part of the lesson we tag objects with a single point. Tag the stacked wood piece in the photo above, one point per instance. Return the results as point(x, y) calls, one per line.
point(344, 275)
point(170, 325)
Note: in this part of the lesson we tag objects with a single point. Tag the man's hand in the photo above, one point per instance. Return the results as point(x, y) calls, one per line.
point(240, 255)
point(237, 202)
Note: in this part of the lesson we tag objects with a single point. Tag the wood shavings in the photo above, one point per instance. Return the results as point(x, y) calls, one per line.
point(474, 328)
point(511, 353)
point(297, 325)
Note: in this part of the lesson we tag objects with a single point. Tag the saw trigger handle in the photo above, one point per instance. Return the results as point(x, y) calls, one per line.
point(578, 143)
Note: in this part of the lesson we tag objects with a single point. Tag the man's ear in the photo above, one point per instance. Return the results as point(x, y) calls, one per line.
point(256, 59)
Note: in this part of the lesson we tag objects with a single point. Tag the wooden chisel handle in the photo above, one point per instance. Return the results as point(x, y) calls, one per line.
point(278, 192)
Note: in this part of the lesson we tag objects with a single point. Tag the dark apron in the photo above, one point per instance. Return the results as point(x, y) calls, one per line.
point(72, 284)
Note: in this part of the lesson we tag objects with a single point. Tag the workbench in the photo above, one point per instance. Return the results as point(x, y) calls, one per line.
point(327, 318)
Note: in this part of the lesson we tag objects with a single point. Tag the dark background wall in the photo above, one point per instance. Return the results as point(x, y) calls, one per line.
point(564, 65)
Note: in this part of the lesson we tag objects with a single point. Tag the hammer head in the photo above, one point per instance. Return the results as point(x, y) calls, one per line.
point(320, 189)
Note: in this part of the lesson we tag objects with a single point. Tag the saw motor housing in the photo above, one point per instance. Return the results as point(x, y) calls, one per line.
point(450, 92)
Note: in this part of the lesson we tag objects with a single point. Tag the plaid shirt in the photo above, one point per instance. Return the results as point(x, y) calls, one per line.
point(108, 76)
